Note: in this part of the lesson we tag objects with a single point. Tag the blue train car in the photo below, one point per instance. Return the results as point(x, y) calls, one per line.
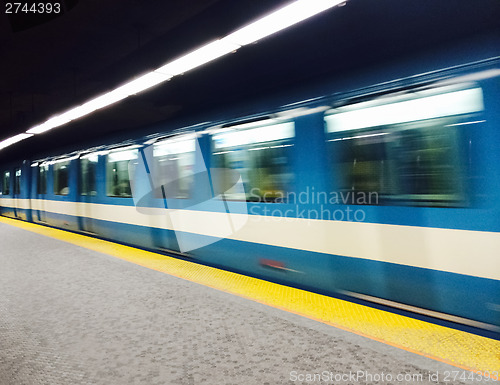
point(15, 192)
point(388, 193)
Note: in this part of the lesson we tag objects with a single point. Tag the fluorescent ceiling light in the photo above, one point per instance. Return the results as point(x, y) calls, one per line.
point(279, 20)
point(198, 57)
point(140, 84)
point(77, 112)
point(131, 88)
point(14, 139)
point(101, 102)
point(56, 121)
point(39, 129)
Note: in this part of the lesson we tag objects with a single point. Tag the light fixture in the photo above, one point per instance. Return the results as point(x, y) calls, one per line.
point(14, 139)
point(281, 19)
point(198, 57)
point(56, 121)
point(131, 88)
point(140, 84)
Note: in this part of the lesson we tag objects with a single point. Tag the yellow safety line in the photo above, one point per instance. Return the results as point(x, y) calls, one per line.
point(460, 349)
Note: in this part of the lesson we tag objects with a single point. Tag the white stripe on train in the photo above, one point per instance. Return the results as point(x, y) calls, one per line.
point(474, 253)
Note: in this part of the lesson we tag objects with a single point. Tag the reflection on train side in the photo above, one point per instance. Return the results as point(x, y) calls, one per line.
point(405, 148)
point(261, 153)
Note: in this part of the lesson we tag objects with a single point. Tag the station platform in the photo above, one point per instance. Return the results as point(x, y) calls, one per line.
point(79, 310)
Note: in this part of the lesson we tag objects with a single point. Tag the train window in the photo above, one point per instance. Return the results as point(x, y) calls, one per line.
point(403, 149)
point(173, 166)
point(61, 178)
point(88, 166)
point(6, 183)
point(117, 173)
point(17, 182)
point(41, 183)
point(261, 155)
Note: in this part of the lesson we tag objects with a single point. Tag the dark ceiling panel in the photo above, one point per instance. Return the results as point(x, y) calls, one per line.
point(100, 44)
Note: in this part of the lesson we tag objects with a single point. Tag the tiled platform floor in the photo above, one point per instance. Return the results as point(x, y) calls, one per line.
point(69, 315)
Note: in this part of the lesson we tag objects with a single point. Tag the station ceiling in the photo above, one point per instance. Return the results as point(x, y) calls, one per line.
point(96, 45)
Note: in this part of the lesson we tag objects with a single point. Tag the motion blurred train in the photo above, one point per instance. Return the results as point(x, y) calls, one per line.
point(387, 193)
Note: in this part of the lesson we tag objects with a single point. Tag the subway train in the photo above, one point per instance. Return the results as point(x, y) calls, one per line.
point(387, 193)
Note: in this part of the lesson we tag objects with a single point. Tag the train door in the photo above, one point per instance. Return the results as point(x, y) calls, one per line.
point(171, 166)
point(41, 193)
point(7, 210)
point(87, 191)
point(18, 205)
